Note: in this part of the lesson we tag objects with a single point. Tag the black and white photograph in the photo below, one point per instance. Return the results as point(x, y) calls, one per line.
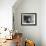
point(28, 19)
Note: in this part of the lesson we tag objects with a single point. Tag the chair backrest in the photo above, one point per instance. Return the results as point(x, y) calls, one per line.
point(29, 43)
point(17, 34)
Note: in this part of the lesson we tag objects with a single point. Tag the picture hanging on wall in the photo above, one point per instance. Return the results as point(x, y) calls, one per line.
point(28, 19)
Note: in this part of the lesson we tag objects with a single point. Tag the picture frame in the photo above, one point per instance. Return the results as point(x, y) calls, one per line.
point(28, 19)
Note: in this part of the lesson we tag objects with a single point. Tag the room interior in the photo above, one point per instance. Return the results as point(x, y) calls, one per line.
point(22, 23)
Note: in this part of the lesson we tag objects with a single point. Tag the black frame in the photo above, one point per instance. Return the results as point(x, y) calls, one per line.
point(22, 14)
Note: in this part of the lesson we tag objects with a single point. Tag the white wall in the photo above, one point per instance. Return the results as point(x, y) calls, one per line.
point(6, 13)
point(43, 22)
point(29, 32)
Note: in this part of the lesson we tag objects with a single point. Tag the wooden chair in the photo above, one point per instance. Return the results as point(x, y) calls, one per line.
point(29, 43)
point(18, 39)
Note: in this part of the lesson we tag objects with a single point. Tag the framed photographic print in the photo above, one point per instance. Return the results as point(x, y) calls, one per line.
point(28, 19)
